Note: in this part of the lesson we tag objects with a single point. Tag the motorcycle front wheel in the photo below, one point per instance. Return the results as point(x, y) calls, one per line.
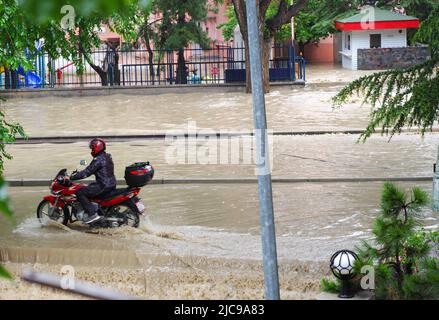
point(46, 211)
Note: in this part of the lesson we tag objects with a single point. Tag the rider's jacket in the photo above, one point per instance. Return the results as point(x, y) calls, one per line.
point(102, 167)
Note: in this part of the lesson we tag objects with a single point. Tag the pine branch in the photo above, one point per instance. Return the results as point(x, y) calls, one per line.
point(399, 97)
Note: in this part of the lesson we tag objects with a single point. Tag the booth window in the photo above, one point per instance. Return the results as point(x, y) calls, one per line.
point(348, 42)
point(375, 40)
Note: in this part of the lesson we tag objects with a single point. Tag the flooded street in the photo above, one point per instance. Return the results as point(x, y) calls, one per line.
point(196, 236)
point(323, 156)
point(288, 109)
point(202, 240)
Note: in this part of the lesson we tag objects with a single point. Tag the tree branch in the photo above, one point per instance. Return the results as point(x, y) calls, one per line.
point(263, 6)
point(241, 15)
point(285, 13)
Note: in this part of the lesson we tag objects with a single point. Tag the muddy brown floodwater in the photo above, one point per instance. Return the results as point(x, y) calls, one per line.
point(296, 109)
point(202, 241)
point(327, 156)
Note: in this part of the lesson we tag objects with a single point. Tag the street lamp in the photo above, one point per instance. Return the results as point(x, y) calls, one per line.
point(342, 266)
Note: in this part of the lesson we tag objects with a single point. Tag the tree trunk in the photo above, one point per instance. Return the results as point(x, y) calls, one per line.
point(241, 15)
point(150, 57)
point(102, 74)
point(151, 62)
point(266, 50)
point(181, 68)
point(284, 14)
point(248, 79)
point(265, 46)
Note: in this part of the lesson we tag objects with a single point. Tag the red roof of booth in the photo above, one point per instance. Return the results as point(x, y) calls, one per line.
point(372, 18)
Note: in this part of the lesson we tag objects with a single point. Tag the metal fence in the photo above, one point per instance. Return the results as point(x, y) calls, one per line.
point(140, 67)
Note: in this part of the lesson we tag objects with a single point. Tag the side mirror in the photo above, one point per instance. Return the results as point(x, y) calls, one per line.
point(83, 162)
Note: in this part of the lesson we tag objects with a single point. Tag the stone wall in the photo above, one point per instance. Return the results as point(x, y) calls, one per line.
point(391, 58)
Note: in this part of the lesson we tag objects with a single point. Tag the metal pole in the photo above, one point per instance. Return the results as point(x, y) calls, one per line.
point(436, 185)
point(268, 234)
point(80, 287)
point(292, 31)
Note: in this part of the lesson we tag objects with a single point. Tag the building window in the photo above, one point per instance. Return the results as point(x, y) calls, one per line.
point(375, 40)
point(347, 44)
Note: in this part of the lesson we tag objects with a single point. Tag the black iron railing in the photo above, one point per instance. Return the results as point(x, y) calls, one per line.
point(140, 67)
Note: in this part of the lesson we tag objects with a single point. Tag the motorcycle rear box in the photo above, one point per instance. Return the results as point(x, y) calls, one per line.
point(139, 174)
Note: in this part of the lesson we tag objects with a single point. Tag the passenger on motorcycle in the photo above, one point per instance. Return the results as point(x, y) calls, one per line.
point(103, 168)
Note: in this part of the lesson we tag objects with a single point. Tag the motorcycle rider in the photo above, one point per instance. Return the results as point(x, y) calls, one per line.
point(102, 167)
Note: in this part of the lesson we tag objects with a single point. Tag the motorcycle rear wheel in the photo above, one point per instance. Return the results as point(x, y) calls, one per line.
point(43, 213)
point(131, 215)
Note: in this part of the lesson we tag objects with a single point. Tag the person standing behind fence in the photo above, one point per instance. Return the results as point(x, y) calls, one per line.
point(110, 63)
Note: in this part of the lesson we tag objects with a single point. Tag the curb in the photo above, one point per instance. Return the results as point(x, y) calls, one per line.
point(137, 90)
point(46, 183)
point(164, 135)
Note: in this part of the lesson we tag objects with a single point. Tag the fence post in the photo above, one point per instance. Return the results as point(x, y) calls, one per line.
point(291, 63)
point(268, 233)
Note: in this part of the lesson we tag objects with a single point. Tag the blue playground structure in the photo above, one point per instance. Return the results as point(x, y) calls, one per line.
point(29, 79)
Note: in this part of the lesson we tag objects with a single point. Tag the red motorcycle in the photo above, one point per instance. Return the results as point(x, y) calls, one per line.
point(116, 208)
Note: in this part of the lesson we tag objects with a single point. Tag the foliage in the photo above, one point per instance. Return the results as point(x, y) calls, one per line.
point(317, 18)
point(8, 133)
point(228, 27)
point(402, 97)
point(19, 32)
point(419, 8)
point(419, 286)
point(43, 11)
point(399, 255)
point(5, 210)
point(330, 286)
point(314, 21)
point(180, 23)
point(16, 36)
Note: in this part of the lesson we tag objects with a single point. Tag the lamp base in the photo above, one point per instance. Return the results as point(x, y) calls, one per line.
point(362, 295)
point(345, 292)
point(345, 296)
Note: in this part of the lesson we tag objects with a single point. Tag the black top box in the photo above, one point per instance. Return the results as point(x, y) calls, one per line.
point(139, 174)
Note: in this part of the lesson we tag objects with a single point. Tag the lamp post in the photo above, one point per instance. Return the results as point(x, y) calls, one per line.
point(436, 185)
point(266, 213)
point(342, 266)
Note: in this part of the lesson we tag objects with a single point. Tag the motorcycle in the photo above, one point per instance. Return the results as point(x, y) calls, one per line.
point(117, 208)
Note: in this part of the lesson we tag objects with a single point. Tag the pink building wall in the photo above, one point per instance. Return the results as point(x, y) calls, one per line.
point(214, 19)
point(326, 51)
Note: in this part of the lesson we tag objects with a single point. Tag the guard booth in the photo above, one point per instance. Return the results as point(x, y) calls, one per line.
point(376, 39)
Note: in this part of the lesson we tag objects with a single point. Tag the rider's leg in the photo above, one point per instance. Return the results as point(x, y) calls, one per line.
point(84, 195)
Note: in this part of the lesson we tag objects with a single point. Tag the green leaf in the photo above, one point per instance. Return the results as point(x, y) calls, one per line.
point(4, 273)
point(5, 208)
